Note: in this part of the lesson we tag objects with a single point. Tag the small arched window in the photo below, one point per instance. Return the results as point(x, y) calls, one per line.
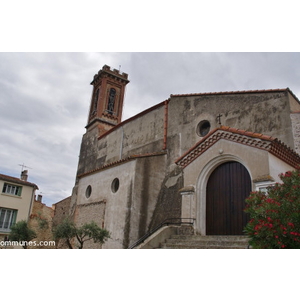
point(203, 128)
point(111, 101)
point(115, 185)
point(88, 192)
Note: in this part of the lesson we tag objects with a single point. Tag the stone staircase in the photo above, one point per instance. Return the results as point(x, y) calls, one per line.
point(205, 242)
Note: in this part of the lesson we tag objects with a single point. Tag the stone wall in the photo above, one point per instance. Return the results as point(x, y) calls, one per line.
point(267, 113)
point(149, 174)
point(168, 205)
point(61, 211)
point(85, 213)
point(295, 117)
point(128, 211)
point(144, 134)
point(41, 222)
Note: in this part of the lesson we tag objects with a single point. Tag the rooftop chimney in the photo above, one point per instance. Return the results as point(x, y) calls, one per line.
point(39, 198)
point(24, 175)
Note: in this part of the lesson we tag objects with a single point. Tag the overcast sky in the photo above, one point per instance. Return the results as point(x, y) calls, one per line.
point(45, 97)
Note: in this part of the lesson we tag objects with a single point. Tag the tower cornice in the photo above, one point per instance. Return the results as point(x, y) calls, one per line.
point(115, 74)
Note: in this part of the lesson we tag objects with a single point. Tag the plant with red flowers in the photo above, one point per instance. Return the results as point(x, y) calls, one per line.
point(275, 215)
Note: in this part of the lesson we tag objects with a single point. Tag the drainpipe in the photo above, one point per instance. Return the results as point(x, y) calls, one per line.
point(32, 197)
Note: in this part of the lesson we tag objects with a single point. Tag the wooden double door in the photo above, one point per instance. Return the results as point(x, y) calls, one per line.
point(227, 188)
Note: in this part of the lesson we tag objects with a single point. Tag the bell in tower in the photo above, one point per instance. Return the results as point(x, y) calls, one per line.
point(107, 99)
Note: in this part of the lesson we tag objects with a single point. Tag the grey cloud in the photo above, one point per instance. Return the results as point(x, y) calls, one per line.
point(44, 99)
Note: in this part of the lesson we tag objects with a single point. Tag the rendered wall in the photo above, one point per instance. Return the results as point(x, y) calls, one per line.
point(116, 207)
point(127, 213)
point(143, 134)
point(22, 203)
point(295, 118)
point(267, 113)
point(149, 175)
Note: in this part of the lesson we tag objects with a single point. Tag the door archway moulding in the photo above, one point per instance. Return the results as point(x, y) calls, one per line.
point(204, 175)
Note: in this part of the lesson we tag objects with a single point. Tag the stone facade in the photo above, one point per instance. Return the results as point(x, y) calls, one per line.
point(96, 212)
point(61, 211)
point(130, 179)
point(295, 118)
point(143, 134)
point(41, 222)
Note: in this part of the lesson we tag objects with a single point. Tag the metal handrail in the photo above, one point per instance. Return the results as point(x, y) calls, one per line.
point(166, 222)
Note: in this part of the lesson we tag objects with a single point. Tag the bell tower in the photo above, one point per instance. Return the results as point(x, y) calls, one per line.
point(107, 99)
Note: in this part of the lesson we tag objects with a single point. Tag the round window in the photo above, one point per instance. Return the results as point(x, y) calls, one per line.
point(115, 185)
point(88, 191)
point(203, 128)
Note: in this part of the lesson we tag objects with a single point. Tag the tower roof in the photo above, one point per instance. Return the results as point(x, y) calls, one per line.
point(106, 70)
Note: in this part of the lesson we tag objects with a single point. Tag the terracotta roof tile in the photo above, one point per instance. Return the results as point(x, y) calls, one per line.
point(17, 181)
point(232, 92)
point(196, 94)
point(252, 139)
point(121, 161)
point(133, 118)
point(247, 133)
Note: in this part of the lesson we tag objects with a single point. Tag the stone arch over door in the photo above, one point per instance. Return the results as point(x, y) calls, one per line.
point(202, 182)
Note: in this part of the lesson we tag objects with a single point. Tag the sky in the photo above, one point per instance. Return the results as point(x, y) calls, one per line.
point(45, 98)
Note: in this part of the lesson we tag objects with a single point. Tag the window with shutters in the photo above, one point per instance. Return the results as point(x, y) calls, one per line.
point(7, 218)
point(264, 186)
point(10, 189)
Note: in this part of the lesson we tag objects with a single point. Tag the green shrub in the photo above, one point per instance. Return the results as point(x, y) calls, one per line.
point(21, 233)
point(68, 231)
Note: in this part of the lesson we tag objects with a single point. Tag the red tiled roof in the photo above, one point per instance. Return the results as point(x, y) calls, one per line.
point(121, 161)
point(133, 118)
point(246, 133)
point(196, 94)
point(236, 92)
point(252, 139)
point(17, 180)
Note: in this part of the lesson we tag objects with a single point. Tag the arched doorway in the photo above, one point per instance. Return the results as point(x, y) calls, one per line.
point(227, 188)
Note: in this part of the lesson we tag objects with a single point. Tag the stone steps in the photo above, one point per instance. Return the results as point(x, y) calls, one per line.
point(205, 242)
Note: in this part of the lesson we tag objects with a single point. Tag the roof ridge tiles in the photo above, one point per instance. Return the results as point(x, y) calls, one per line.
point(120, 161)
point(17, 180)
point(257, 140)
point(247, 133)
point(233, 92)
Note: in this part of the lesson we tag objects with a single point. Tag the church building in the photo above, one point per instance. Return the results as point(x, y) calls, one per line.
point(190, 159)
